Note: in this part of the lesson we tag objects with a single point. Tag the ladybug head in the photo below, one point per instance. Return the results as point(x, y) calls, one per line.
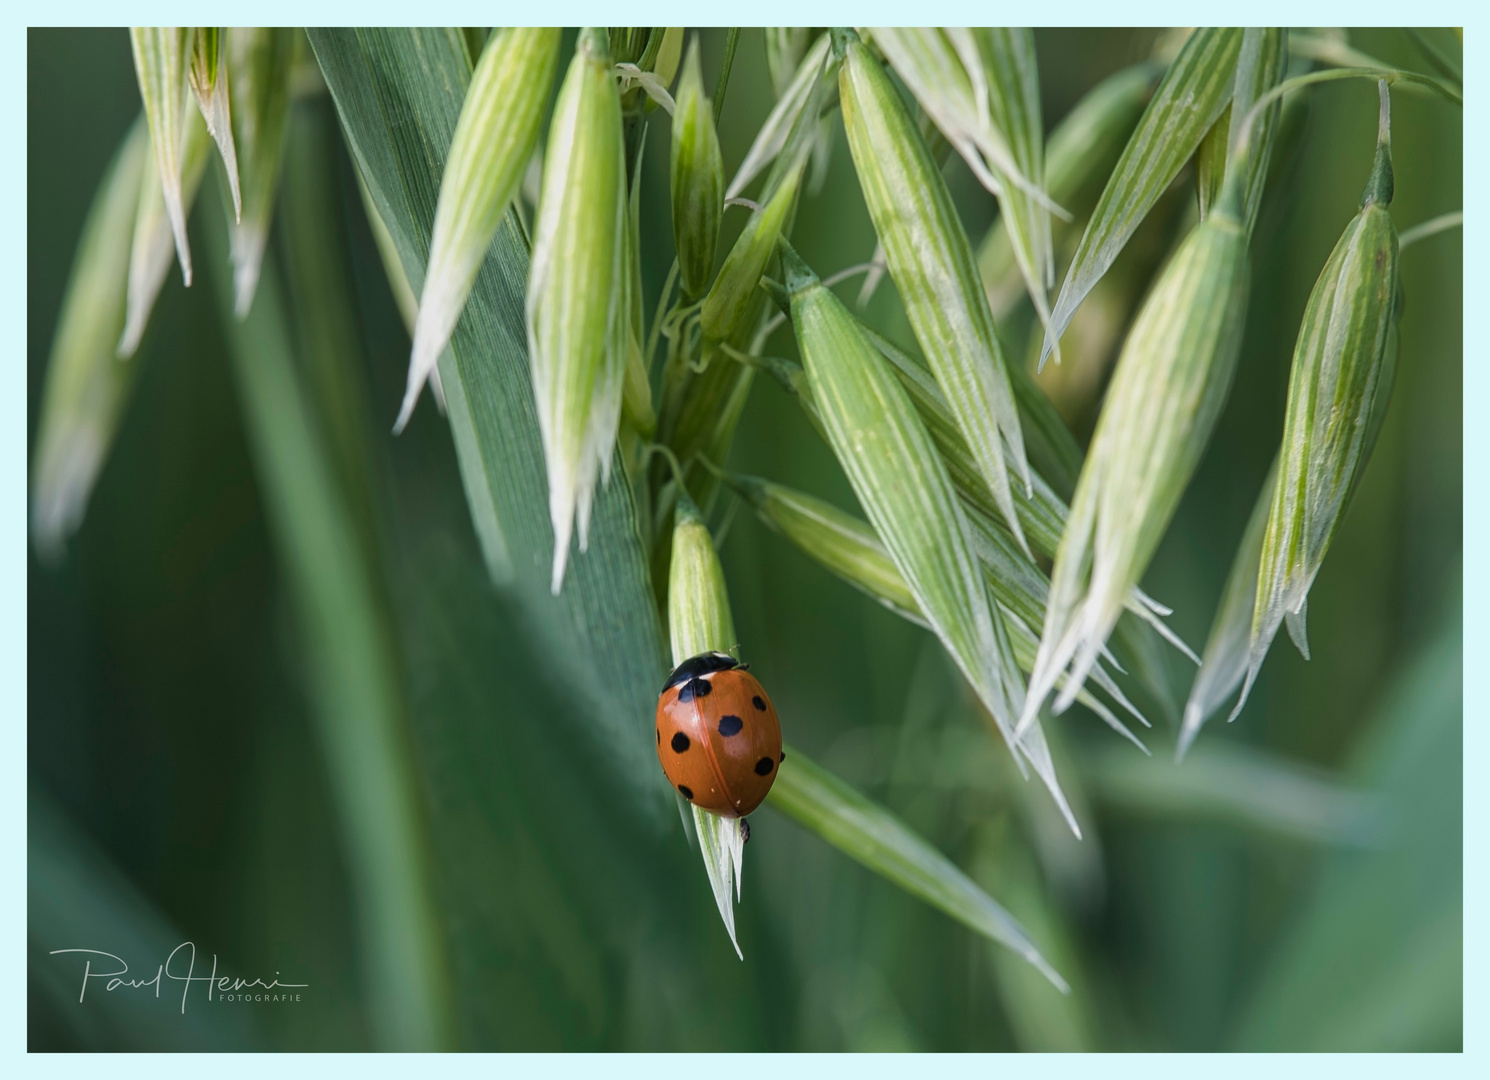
point(702, 664)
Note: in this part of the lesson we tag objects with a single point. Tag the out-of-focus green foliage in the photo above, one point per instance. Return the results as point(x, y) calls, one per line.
point(181, 788)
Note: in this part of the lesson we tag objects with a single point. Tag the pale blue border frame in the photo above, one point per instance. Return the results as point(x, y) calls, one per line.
point(13, 489)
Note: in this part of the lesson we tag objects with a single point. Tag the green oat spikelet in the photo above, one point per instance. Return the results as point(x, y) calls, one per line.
point(901, 483)
point(945, 70)
point(86, 384)
point(153, 243)
point(1224, 662)
point(849, 549)
point(160, 55)
point(1261, 65)
point(697, 172)
point(725, 307)
point(207, 75)
point(699, 621)
point(1167, 389)
point(1079, 154)
point(1337, 389)
point(260, 61)
point(1007, 59)
point(575, 295)
point(812, 85)
point(931, 262)
point(1191, 96)
point(494, 139)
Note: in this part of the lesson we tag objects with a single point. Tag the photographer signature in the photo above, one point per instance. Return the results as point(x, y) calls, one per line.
point(221, 985)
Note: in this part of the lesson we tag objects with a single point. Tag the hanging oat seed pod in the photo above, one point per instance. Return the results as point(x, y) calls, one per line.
point(1335, 389)
point(259, 62)
point(902, 485)
point(160, 54)
point(494, 138)
point(697, 179)
point(736, 286)
point(207, 75)
point(931, 262)
point(575, 295)
point(1166, 392)
point(1224, 663)
point(1193, 93)
point(153, 244)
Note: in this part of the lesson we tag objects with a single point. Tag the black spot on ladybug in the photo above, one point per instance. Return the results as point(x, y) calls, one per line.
point(730, 725)
point(782, 757)
point(744, 831)
point(694, 688)
point(680, 744)
point(758, 703)
point(659, 735)
point(764, 766)
point(686, 792)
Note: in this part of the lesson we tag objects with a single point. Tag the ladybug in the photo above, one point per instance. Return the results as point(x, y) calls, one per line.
point(717, 735)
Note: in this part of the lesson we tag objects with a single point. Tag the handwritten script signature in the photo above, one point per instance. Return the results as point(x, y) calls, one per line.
point(215, 984)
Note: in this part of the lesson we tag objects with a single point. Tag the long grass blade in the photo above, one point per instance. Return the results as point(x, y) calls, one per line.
point(602, 636)
point(869, 834)
point(352, 669)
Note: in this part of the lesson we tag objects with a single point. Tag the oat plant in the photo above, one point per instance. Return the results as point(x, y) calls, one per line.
point(596, 258)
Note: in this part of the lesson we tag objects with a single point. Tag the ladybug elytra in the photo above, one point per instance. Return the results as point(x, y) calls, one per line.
point(718, 737)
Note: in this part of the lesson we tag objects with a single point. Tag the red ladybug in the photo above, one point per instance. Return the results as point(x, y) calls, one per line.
point(717, 735)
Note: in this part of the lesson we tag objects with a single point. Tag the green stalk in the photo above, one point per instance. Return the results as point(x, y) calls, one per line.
point(352, 668)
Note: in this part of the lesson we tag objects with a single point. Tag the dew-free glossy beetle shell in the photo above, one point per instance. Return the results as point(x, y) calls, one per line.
point(718, 737)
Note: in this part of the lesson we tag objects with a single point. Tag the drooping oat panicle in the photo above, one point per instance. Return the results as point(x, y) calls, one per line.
point(160, 55)
point(815, 79)
point(86, 385)
point(260, 61)
point(1224, 663)
point(207, 75)
point(1168, 387)
point(153, 242)
point(494, 138)
point(697, 179)
point(728, 300)
point(1336, 388)
point(699, 621)
point(1193, 93)
point(849, 548)
point(901, 483)
point(1260, 66)
point(931, 262)
point(575, 295)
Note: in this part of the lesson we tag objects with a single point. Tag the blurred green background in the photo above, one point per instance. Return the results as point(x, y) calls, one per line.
point(1296, 884)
